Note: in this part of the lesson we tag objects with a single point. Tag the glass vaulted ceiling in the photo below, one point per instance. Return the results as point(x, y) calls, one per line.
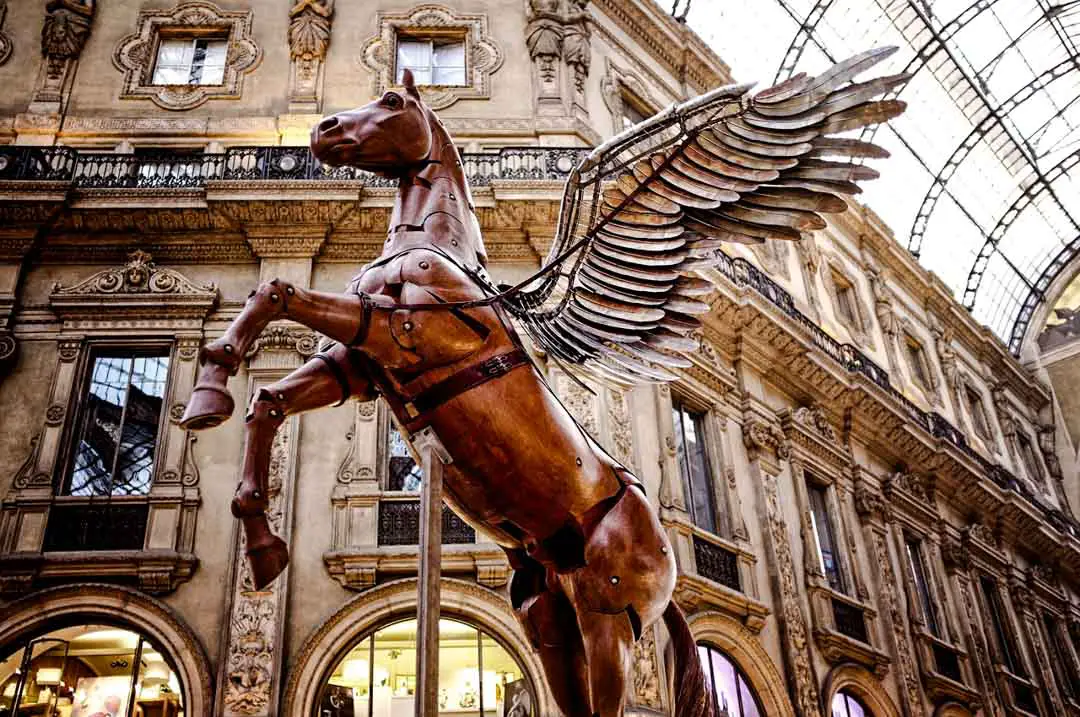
point(984, 183)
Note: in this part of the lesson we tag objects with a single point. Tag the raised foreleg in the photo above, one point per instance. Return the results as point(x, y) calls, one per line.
point(328, 378)
point(342, 317)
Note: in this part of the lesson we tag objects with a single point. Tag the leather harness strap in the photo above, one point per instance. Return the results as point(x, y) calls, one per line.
point(467, 378)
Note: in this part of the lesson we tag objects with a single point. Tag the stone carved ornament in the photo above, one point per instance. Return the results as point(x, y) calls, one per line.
point(138, 276)
point(309, 28)
point(134, 55)
point(814, 417)
point(544, 37)
point(67, 26)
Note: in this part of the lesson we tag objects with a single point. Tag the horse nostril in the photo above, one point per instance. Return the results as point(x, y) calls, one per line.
point(328, 124)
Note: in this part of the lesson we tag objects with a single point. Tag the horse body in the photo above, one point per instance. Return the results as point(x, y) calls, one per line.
point(593, 567)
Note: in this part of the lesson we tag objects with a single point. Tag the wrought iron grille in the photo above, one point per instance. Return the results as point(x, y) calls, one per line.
point(54, 164)
point(716, 563)
point(399, 524)
point(850, 621)
point(947, 662)
point(90, 527)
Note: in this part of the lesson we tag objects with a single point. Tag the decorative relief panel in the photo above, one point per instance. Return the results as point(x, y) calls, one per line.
point(136, 54)
point(63, 36)
point(482, 56)
point(6, 45)
point(645, 688)
point(309, 39)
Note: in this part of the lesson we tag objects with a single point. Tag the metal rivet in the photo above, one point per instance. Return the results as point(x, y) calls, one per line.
point(453, 242)
point(425, 265)
point(274, 297)
point(289, 290)
point(228, 348)
point(408, 325)
point(280, 396)
point(256, 495)
point(274, 413)
point(614, 579)
point(663, 549)
point(578, 461)
point(452, 195)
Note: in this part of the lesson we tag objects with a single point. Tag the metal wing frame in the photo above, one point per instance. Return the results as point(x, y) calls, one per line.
point(646, 211)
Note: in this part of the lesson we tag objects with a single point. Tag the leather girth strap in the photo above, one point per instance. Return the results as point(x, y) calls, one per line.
point(413, 411)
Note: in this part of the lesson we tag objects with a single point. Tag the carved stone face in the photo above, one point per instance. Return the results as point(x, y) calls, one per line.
point(387, 135)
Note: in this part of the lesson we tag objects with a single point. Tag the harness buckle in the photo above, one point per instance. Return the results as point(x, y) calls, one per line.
point(498, 365)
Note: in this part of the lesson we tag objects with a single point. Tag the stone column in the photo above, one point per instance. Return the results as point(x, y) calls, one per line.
point(873, 512)
point(766, 450)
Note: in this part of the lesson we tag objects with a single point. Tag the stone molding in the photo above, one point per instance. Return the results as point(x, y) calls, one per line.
point(616, 83)
point(861, 334)
point(864, 685)
point(115, 604)
point(483, 56)
point(397, 600)
point(136, 54)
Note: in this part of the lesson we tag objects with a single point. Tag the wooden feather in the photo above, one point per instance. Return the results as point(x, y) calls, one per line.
point(847, 147)
point(863, 115)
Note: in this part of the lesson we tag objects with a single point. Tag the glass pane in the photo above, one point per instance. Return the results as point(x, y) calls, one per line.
point(694, 466)
point(416, 56)
point(749, 700)
point(918, 575)
point(819, 515)
point(213, 67)
point(135, 464)
point(173, 62)
point(459, 668)
point(725, 687)
point(405, 474)
point(454, 76)
point(448, 61)
point(159, 686)
point(839, 705)
point(349, 687)
point(10, 677)
point(100, 668)
point(505, 691)
point(99, 429)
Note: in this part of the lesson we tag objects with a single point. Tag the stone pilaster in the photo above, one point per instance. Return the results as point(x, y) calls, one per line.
point(309, 39)
point(63, 36)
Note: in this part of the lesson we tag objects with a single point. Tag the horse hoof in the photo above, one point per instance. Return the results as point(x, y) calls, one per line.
point(268, 561)
point(210, 406)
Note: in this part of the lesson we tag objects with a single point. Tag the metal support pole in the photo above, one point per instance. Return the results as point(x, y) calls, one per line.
point(433, 456)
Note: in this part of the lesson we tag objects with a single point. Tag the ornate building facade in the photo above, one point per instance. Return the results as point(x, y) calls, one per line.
point(869, 496)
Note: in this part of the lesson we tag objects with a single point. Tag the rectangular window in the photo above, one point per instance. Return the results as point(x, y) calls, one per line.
point(920, 579)
point(1027, 455)
point(826, 539)
point(920, 371)
point(846, 307)
point(433, 61)
point(977, 411)
point(693, 460)
point(115, 436)
point(1064, 669)
point(999, 633)
point(190, 61)
point(403, 473)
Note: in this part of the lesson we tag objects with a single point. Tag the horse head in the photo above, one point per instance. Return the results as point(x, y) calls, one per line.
point(389, 136)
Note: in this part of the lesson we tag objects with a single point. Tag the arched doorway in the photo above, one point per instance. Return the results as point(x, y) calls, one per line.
point(81, 650)
point(845, 704)
point(733, 696)
point(477, 675)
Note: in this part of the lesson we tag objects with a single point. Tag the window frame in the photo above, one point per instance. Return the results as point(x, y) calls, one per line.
point(192, 35)
point(681, 406)
point(922, 581)
point(975, 403)
point(826, 490)
point(1025, 448)
point(1001, 633)
point(918, 362)
point(741, 678)
point(847, 309)
point(1063, 667)
point(432, 38)
point(119, 349)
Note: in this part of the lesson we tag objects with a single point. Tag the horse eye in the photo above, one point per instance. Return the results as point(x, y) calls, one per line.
point(393, 100)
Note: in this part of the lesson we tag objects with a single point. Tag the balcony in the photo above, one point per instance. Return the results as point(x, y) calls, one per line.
point(717, 563)
point(166, 169)
point(845, 629)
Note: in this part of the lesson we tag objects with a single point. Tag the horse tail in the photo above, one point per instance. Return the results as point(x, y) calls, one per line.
point(691, 696)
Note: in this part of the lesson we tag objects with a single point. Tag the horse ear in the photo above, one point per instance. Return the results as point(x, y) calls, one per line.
point(409, 82)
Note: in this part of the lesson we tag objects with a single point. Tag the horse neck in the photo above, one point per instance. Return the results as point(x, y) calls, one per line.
point(434, 206)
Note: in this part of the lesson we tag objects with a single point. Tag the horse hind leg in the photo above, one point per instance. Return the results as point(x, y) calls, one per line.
point(328, 378)
point(339, 316)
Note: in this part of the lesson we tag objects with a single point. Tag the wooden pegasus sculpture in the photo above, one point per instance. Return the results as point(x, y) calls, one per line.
point(425, 328)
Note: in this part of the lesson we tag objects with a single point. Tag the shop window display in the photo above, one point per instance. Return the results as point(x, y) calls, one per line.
point(477, 675)
point(89, 671)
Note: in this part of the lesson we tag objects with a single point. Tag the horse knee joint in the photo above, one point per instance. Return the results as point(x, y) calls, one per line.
point(267, 407)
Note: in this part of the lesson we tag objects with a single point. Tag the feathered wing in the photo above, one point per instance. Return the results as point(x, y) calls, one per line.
point(648, 209)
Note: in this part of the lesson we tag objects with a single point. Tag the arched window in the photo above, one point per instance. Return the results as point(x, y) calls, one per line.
point(845, 704)
point(477, 675)
point(89, 670)
point(734, 697)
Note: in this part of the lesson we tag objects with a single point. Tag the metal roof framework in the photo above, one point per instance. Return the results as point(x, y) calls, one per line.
point(999, 218)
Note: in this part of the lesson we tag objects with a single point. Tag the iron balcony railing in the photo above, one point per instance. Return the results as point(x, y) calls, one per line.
point(174, 169)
